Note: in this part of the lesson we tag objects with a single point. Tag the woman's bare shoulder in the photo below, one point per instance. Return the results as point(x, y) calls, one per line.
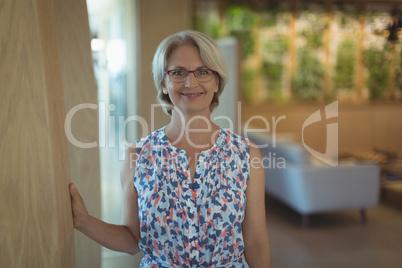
point(254, 151)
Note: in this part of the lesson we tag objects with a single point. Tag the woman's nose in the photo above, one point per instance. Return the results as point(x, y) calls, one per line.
point(191, 80)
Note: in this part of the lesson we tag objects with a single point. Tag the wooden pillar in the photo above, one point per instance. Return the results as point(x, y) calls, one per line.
point(79, 85)
point(359, 58)
point(45, 69)
point(391, 94)
point(328, 87)
point(293, 53)
point(36, 224)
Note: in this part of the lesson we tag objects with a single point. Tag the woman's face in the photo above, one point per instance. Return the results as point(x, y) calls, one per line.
point(191, 97)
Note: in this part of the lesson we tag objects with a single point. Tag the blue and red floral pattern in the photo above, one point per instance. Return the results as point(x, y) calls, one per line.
point(185, 224)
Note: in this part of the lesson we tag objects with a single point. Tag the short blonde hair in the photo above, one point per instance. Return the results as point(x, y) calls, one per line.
point(210, 53)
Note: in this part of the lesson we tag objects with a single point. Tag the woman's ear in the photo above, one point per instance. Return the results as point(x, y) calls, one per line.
point(164, 90)
point(218, 83)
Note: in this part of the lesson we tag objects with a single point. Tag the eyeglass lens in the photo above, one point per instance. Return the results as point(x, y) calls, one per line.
point(180, 75)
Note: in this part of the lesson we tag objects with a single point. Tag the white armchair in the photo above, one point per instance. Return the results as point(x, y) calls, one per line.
point(309, 188)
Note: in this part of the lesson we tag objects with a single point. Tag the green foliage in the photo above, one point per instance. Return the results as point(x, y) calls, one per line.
point(269, 19)
point(308, 80)
point(240, 21)
point(346, 19)
point(314, 38)
point(247, 84)
point(399, 72)
point(274, 51)
point(346, 15)
point(209, 27)
point(272, 70)
point(276, 47)
point(247, 40)
point(208, 23)
point(345, 64)
point(273, 67)
point(243, 22)
point(273, 14)
point(313, 34)
point(240, 18)
point(377, 62)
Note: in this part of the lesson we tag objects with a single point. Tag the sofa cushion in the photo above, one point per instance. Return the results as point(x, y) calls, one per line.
point(291, 151)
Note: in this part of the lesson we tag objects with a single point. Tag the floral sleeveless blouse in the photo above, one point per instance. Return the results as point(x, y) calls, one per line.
point(185, 224)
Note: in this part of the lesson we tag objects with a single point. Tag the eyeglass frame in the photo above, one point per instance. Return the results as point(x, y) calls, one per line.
point(188, 73)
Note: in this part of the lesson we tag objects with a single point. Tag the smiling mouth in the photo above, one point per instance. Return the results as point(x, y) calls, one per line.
point(193, 95)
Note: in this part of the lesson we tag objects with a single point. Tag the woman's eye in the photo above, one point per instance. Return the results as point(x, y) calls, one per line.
point(179, 73)
point(203, 72)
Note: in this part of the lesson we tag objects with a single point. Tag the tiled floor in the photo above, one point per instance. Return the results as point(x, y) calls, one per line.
point(335, 239)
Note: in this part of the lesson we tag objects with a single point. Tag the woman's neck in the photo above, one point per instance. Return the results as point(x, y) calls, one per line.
point(197, 131)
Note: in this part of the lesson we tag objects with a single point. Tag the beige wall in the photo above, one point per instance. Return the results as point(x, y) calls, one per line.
point(360, 126)
point(158, 19)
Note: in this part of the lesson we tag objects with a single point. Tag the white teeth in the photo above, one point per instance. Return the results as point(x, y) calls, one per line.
point(192, 95)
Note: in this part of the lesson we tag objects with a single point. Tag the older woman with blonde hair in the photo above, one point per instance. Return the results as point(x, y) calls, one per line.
point(192, 198)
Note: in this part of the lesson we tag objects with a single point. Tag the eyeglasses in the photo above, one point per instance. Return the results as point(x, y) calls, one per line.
point(180, 75)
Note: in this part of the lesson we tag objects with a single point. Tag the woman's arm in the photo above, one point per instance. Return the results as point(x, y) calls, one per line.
point(257, 249)
point(123, 238)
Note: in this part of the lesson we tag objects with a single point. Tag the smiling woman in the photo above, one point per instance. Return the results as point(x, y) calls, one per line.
point(180, 86)
point(186, 187)
point(209, 56)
